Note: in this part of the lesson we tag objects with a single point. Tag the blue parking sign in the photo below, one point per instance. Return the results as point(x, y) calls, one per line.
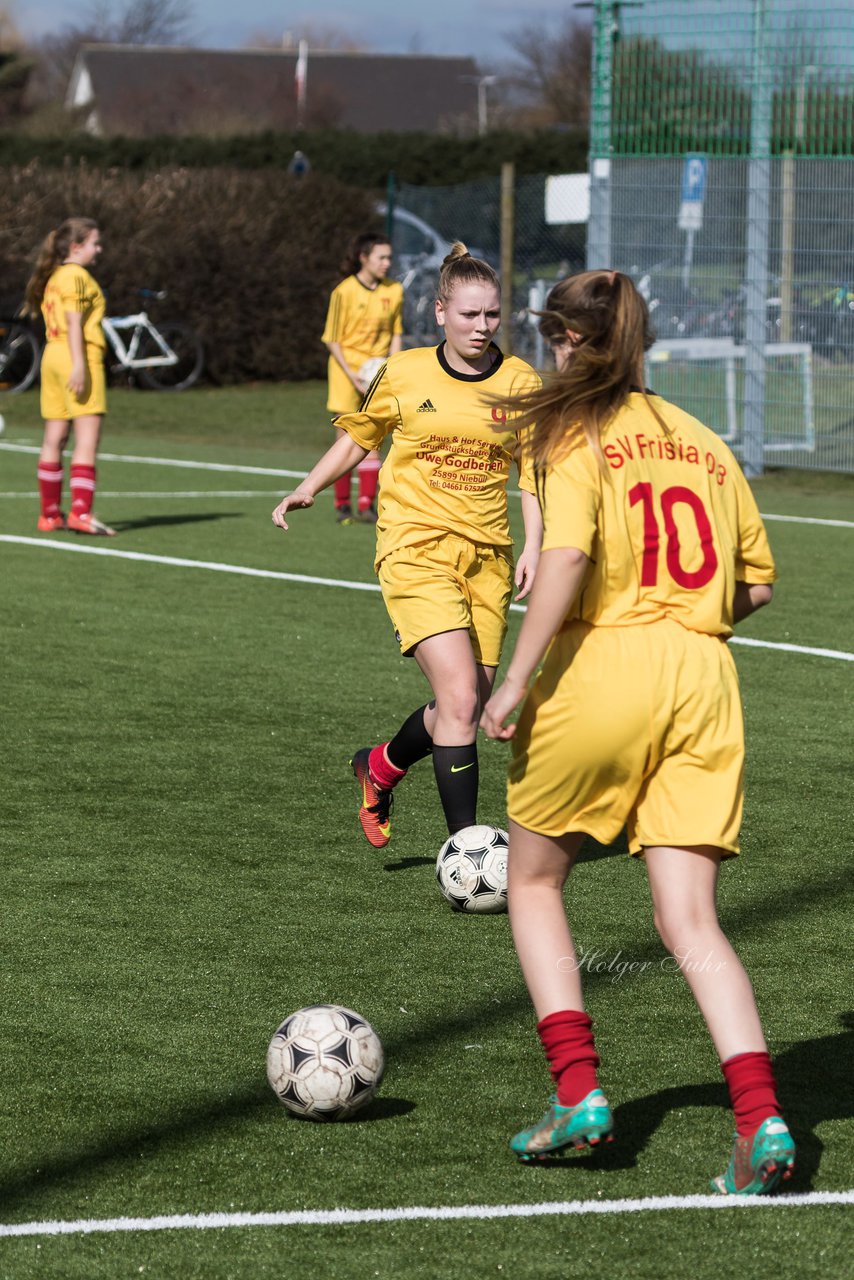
point(693, 179)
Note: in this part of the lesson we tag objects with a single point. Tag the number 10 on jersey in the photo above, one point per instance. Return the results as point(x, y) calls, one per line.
point(677, 495)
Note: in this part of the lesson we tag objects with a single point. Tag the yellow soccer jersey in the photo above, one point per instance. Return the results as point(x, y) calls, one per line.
point(72, 288)
point(670, 526)
point(363, 321)
point(451, 449)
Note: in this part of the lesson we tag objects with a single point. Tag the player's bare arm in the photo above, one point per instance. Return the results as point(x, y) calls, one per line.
point(529, 557)
point(559, 577)
point(750, 596)
point(77, 377)
point(337, 461)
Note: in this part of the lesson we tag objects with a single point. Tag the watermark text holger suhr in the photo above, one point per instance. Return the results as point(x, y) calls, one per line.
point(618, 966)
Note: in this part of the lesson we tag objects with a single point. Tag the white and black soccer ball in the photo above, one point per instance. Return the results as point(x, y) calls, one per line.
point(472, 869)
point(325, 1062)
point(371, 368)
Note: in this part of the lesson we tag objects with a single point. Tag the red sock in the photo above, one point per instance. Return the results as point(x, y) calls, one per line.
point(342, 491)
point(568, 1041)
point(82, 489)
point(50, 487)
point(750, 1080)
point(369, 474)
point(384, 774)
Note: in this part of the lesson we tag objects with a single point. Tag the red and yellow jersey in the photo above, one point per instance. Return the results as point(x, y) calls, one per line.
point(72, 289)
point(362, 320)
point(451, 447)
point(670, 524)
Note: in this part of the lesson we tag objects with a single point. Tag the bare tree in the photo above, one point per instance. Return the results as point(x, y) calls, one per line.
point(159, 22)
point(550, 78)
point(142, 22)
point(319, 36)
point(10, 36)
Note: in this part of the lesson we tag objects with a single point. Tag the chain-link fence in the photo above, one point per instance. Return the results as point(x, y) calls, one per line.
point(721, 175)
point(471, 212)
point(722, 163)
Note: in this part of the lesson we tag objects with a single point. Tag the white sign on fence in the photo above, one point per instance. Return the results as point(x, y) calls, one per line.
point(567, 198)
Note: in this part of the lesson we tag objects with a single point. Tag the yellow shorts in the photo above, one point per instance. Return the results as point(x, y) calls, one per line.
point(632, 726)
point(343, 396)
point(56, 400)
point(449, 584)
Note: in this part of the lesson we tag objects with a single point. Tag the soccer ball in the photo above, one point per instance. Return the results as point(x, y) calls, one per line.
point(371, 368)
point(472, 869)
point(325, 1062)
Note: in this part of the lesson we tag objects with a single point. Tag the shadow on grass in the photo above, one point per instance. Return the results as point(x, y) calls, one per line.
point(151, 522)
point(813, 1076)
point(405, 863)
point(113, 1152)
point(378, 1109)
point(591, 851)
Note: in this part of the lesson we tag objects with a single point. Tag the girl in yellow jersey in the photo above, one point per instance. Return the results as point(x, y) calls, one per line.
point(653, 548)
point(73, 392)
point(364, 325)
point(443, 541)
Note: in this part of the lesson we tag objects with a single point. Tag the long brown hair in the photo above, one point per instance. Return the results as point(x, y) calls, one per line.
point(363, 244)
point(611, 331)
point(54, 250)
point(459, 267)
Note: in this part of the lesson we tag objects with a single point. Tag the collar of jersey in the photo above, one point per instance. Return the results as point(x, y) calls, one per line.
point(471, 377)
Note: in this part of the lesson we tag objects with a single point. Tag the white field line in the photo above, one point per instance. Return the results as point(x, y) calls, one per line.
point(216, 566)
point(300, 475)
point(417, 1213)
point(172, 462)
point(172, 493)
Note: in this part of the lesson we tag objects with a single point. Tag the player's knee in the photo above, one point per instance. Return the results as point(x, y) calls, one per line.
point(460, 710)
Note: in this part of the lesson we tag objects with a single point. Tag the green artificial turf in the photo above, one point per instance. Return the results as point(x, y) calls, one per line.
point(183, 868)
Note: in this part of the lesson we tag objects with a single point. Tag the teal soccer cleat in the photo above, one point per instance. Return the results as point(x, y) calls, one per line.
point(760, 1162)
point(586, 1124)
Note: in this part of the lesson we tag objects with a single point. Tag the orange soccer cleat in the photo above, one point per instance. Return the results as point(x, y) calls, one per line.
point(89, 523)
point(375, 810)
point(51, 524)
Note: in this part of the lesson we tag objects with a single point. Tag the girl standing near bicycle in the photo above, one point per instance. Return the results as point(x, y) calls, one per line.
point(444, 557)
point(73, 383)
point(653, 548)
point(364, 325)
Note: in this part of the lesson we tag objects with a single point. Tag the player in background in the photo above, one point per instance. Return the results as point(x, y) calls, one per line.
point(653, 548)
point(364, 325)
point(73, 383)
point(444, 551)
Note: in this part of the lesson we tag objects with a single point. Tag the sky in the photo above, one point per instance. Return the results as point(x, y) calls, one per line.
point(476, 28)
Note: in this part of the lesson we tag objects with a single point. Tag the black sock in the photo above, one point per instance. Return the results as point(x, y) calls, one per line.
point(457, 778)
point(412, 742)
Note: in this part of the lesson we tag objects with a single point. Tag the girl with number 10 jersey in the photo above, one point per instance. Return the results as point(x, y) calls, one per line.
point(653, 548)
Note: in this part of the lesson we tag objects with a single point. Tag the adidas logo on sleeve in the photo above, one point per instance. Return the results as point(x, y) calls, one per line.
point(427, 407)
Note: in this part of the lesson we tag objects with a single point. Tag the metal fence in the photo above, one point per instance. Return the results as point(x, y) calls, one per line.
point(721, 178)
point(721, 175)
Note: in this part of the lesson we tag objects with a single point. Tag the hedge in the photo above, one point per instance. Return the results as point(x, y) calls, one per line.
point(363, 160)
point(248, 258)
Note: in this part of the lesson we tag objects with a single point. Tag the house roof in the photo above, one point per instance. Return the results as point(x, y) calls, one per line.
point(142, 90)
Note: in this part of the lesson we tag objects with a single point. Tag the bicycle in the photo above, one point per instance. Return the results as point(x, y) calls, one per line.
point(168, 357)
point(164, 357)
point(20, 355)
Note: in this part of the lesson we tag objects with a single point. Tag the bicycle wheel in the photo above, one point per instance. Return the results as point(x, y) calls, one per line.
point(173, 377)
point(20, 356)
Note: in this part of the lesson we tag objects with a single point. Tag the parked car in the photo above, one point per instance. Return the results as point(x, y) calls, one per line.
point(419, 251)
